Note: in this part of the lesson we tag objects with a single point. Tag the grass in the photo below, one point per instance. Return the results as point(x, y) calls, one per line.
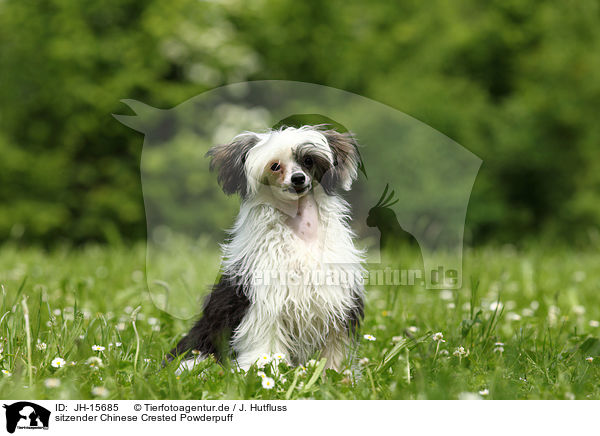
point(70, 300)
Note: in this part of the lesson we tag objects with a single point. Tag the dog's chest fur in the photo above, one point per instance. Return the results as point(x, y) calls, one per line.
point(298, 295)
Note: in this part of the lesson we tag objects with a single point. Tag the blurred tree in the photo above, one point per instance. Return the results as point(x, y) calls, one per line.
point(514, 81)
point(69, 170)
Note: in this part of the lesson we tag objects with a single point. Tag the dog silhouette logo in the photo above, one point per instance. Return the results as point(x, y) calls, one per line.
point(430, 174)
point(26, 415)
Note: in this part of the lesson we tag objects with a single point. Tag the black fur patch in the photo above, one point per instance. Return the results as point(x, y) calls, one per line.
point(224, 309)
point(346, 161)
point(229, 160)
point(320, 163)
point(356, 315)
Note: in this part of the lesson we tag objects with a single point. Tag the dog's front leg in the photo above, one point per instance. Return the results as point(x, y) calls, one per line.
point(256, 348)
point(259, 356)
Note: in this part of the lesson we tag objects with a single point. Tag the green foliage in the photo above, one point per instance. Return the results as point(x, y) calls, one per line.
point(528, 324)
point(513, 81)
point(70, 170)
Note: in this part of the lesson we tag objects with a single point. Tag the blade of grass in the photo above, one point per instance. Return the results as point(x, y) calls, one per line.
point(137, 338)
point(290, 391)
point(28, 332)
point(318, 370)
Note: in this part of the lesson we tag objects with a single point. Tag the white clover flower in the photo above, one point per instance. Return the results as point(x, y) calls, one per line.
point(82, 337)
point(484, 392)
point(512, 316)
point(100, 391)
point(451, 306)
point(98, 348)
point(594, 323)
point(363, 361)
point(347, 372)
point(152, 321)
point(579, 276)
point(58, 362)
point(278, 357)
point(41, 346)
point(438, 337)
point(263, 360)
point(468, 396)
point(413, 329)
point(579, 310)
point(52, 383)
point(6, 372)
point(460, 351)
point(268, 383)
point(589, 359)
point(499, 350)
point(118, 344)
point(444, 353)
point(397, 338)
point(94, 362)
point(370, 337)
point(446, 294)
point(496, 306)
point(527, 312)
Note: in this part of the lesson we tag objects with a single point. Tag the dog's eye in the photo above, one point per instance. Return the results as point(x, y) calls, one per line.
point(275, 167)
point(308, 162)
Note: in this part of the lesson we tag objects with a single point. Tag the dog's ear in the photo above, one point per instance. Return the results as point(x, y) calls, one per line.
point(345, 161)
point(229, 160)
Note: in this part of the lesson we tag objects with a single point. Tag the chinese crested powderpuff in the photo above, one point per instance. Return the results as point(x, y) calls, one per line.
point(291, 276)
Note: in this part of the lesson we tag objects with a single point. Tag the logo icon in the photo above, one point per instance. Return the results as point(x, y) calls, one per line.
point(26, 415)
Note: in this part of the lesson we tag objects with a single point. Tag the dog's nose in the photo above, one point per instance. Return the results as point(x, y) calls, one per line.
point(298, 178)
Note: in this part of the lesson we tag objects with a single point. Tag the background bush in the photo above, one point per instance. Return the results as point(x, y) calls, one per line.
point(515, 82)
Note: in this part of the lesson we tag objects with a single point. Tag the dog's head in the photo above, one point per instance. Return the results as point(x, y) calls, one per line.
point(291, 161)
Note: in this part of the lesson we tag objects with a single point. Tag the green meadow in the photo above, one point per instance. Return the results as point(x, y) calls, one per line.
point(80, 324)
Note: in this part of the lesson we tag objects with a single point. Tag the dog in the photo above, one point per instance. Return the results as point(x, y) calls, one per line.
point(291, 278)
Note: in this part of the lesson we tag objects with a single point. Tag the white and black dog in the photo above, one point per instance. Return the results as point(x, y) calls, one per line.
point(291, 279)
